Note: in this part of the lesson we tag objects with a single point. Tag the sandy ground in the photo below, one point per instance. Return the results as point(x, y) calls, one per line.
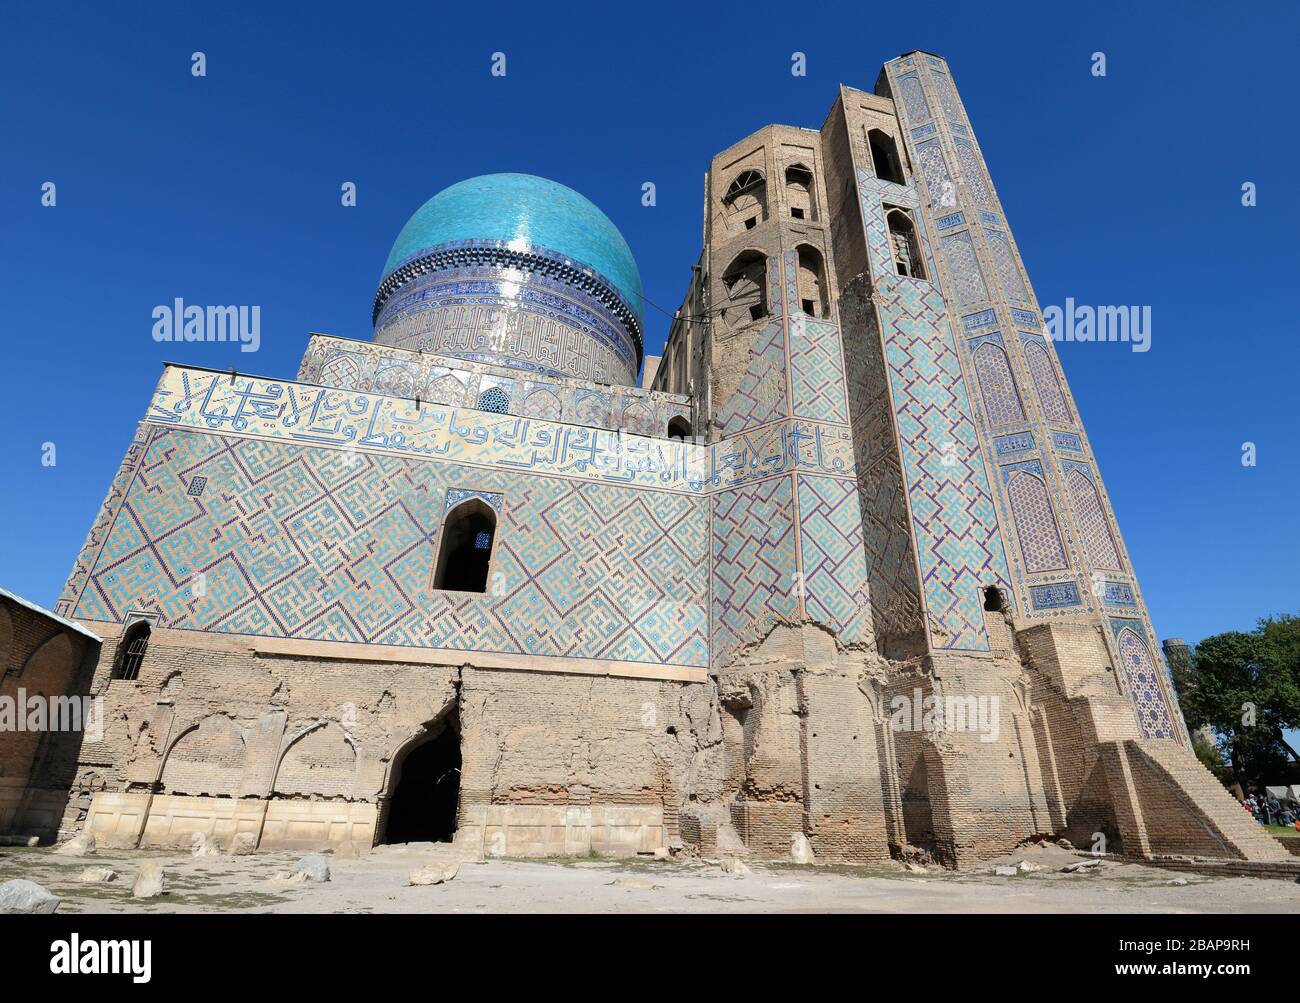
point(377, 883)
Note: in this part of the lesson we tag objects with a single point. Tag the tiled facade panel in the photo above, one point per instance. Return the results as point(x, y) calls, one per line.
point(894, 589)
point(755, 569)
point(997, 386)
point(834, 568)
point(292, 541)
point(954, 524)
point(1040, 537)
point(1062, 522)
point(761, 395)
point(1093, 529)
point(381, 369)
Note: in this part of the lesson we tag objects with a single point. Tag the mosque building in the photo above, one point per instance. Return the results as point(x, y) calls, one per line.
point(840, 567)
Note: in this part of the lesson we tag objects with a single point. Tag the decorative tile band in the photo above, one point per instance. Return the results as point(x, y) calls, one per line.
point(985, 318)
point(247, 405)
point(1055, 596)
point(1017, 442)
point(528, 259)
point(1118, 594)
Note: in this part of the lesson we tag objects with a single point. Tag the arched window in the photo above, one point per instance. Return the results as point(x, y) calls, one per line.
point(746, 200)
point(903, 242)
point(679, 428)
point(799, 192)
point(884, 154)
point(812, 282)
point(494, 400)
point(130, 651)
point(465, 549)
point(745, 281)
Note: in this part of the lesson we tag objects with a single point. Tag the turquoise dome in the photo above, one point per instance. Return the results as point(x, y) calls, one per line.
point(529, 211)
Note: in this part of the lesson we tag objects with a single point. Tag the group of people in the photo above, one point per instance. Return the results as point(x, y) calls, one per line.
point(1269, 810)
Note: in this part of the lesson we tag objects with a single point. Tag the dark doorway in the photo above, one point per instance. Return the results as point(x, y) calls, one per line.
point(426, 791)
point(466, 552)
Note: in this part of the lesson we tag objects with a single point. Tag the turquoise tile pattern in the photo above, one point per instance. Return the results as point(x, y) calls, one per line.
point(535, 212)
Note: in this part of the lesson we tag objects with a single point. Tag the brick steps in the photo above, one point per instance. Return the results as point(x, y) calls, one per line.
point(1210, 800)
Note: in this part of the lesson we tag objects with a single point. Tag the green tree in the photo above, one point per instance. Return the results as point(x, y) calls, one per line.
point(1245, 687)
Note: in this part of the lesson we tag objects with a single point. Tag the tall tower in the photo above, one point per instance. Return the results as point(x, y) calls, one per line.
point(925, 627)
point(1064, 550)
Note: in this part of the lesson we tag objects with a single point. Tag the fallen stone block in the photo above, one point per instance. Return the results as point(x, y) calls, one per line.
point(1082, 865)
point(434, 872)
point(203, 845)
point(80, 845)
point(97, 875)
point(150, 881)
point(20, 896)
point(1005, 872)
point(314, 866)
point(801, 851)
point(736, 866)
point(242, 844)
point(914, 868)
point(1028, 867)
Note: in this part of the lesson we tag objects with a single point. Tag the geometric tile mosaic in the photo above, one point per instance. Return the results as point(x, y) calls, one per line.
point(1143, 683)
point(834, 567)
point(1097, 541)
point(1040, 538)
point(755, 580)
point(292, 541)
point(955, 524)
point(816, 358)
point(1045, 380)
point(997, 385)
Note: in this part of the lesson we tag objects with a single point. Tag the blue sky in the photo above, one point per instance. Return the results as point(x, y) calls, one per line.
point(225, 189)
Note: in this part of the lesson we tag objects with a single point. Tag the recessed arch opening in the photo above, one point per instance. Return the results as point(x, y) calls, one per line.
point(745, 284)
point(679, 428)
point(812, 282)
point(424, 786)
point(465, 547)
point(884, 155)
point(799, 192)
point(902, 241)
point(131, 650)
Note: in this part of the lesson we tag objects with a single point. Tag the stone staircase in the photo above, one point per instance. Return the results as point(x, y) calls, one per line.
point(1204, 797)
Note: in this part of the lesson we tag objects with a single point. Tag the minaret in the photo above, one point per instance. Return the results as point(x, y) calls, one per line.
point(1064, 550)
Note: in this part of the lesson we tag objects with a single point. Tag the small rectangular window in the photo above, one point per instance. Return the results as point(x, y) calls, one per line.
point(797, 213)
point(751, 222)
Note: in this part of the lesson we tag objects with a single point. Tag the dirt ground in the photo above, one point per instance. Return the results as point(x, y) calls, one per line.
point(377, 883)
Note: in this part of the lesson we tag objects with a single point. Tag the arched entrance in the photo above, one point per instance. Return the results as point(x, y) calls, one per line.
point(425, 787)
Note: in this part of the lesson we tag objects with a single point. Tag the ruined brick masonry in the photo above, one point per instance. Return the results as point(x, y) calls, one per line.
point(464, 580)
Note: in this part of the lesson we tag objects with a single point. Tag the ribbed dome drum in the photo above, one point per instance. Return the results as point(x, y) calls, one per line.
point(518, 271)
